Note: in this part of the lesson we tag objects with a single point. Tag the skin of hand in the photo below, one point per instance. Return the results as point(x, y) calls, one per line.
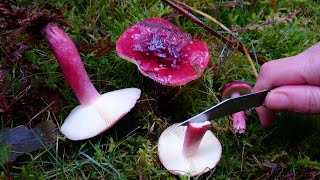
point(296, 83)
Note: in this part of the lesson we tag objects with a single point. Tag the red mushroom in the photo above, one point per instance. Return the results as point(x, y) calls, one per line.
point(96, 113)
point(189, 150)
point(163, 52)
point(232, 90)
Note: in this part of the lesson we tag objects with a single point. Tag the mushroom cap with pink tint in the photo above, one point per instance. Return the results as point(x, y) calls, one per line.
point(170, 150)
point(240, 87)
point(163, 52)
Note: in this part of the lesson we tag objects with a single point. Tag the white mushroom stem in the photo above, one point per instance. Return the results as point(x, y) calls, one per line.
point(238, 119)
point(96, 113)
point(193, 137)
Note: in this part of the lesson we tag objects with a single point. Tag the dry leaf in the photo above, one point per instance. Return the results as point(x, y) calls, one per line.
point(22, 140)
point(100, 49)
point(273, 4)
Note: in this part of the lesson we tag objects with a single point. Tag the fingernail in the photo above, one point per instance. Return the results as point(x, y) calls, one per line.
point(278, 101)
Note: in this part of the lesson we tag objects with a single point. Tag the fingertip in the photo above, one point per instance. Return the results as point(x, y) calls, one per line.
point(265, 77)
point(266, 116)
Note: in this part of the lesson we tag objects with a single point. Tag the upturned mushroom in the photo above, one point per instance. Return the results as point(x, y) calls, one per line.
point(163, 52)
point(232, 90)
point(189, 150)
point(96, 112)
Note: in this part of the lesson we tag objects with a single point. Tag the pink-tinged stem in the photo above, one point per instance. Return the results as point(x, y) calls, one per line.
point(238, 119)
point(70, 63)
point(193, 137)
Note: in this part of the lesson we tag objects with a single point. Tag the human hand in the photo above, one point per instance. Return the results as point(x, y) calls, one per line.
point(297, 84)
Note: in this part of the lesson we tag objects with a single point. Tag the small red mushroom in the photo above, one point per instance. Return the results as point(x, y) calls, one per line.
point(163, 52)
point(232, 90)
point(96, 112)
point(189, 150)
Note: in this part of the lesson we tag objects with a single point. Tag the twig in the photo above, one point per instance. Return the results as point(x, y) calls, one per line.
point(225, 52)
point(255, 72)
point(207, 16)
point(196, 20)
point(267, 23)
point(48, 106)
point(227, 4)
point(231, 4)
point(200, 23)
point(242, 158)
point(257, 161)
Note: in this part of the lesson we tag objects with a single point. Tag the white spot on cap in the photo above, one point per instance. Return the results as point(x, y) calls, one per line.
point(135, 36)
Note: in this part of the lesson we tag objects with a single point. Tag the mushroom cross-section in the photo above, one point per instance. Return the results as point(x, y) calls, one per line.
point(232, 90)
point(189, 150)
point(96, 113)
point(163, 52)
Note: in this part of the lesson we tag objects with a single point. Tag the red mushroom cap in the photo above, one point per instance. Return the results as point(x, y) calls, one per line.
point(235, 86)
point(163, 52)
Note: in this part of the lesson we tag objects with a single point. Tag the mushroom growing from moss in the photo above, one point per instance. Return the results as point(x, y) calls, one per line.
point(189, 150)
point(232, 90)
point(96, 113)
point(163, 52)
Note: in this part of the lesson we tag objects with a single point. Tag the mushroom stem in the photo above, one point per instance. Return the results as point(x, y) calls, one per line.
point(193, 137)
point(70, 63)
point(238, 119)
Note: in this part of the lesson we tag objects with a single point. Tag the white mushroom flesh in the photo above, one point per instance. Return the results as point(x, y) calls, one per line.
point(170, 150)
point(86, 121)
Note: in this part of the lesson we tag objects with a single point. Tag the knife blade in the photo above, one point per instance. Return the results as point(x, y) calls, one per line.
point(230, 106)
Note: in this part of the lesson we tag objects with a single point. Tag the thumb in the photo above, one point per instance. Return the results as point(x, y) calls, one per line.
point(296, 98)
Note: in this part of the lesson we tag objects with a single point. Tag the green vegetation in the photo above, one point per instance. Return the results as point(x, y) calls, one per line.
point(129, 149)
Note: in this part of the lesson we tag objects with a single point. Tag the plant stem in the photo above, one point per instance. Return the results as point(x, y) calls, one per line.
point(199, 22)
point(193, 137)
point(70, 63)
point(207, 16)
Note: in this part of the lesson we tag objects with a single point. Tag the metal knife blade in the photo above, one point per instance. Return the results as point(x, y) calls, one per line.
point(230, 106)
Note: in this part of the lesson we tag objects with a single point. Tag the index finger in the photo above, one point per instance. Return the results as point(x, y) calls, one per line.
point(303, 68)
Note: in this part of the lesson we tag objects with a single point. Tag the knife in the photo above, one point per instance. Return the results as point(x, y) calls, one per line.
point(230, 106)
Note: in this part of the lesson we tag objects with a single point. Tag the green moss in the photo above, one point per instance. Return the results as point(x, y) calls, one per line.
point(129, 150)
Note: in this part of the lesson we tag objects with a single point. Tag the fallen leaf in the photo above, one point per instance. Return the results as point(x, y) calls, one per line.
point(308, 173)
point(22, 140)
point(100, 48)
